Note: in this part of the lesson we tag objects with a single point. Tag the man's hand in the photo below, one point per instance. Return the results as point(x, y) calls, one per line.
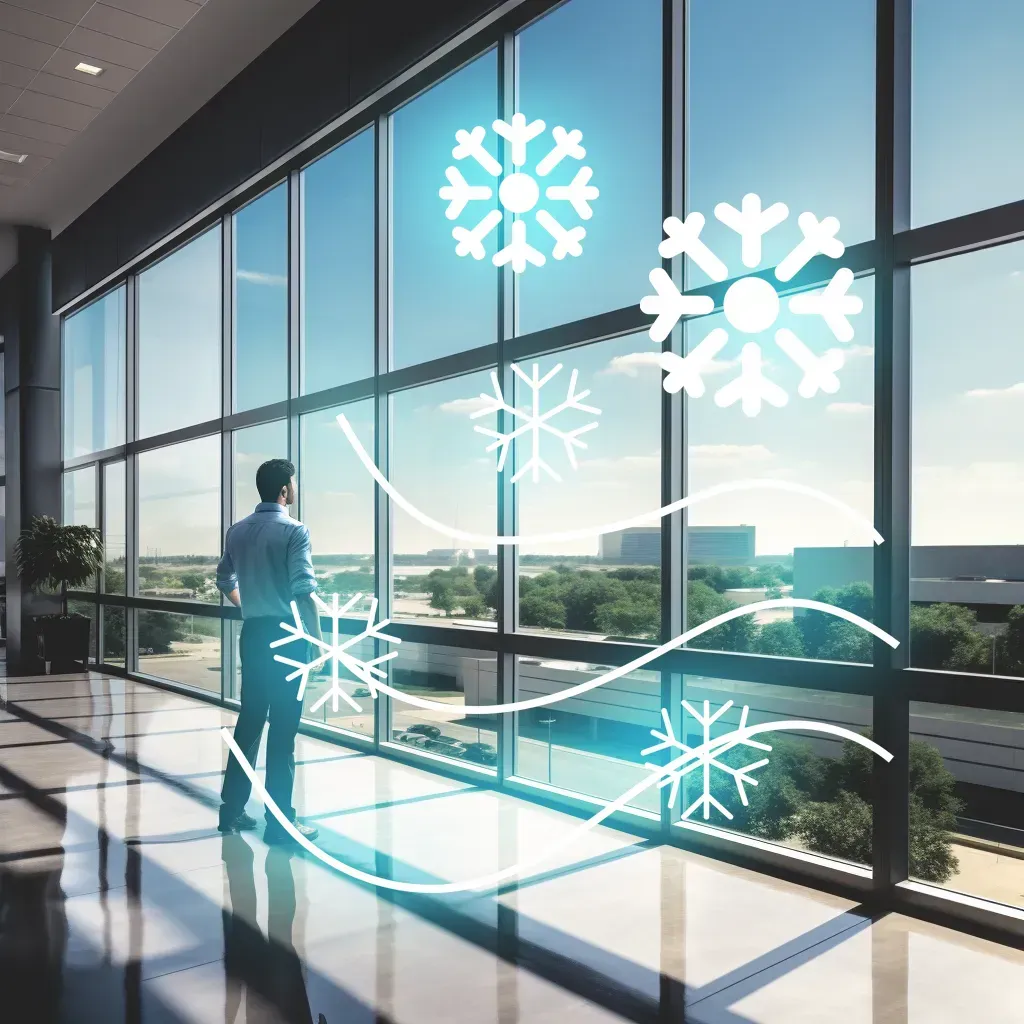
point(235, 598)
point(310, 615)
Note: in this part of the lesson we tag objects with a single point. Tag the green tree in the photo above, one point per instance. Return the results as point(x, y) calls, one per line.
point(473, 607)
point(831, 639)
point(541, 611)
point(631, 618)
point(442, 596)
point(781, 638)
point(1010, 646)
point(703, 604)
point(945, 636)
point(193, 581)
point(345, 584)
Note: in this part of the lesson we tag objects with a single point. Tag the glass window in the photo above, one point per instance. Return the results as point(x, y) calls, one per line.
point(250, 448)
point(815, 791)
point(339, 713)
point(810, 147)
point(338, 274)
point(179, 520)
point(589, 744)
point(182, 648)
point(113, 635)
point(441, 465)
point(967, 558)
point(337, 503)
point(80, 497)
point(440, 302)
point(752, 544)
point(261, 300)
point(179, 338)
point(967, 118)
point(607, 586)
point(94, 376)
point(595, 66)
point(450, 675)
point(3, 419)
point(114, 528)
point(3, 530)
point(967, 800)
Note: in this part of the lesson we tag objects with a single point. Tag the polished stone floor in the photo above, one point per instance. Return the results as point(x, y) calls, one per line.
point(120, 902)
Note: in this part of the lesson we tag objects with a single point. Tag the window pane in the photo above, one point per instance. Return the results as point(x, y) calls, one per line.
point(808, 140)
point(967, 800)
point(440, 303)
point(338, 274)
point(261, 300)
point(449, 675)
point(342, 716)
point(88, 609)
point(179, 520)
point(814, 793)
point(113, 635)
point(3, 530)
point(94, 376)
point(336, 501)
point(182, 648)
point(114, 529)
point(250, 448)
point(588, 744)
point(754, 544)
point(609, 585)
point(967, 117)
point(179, 338)
point(967, 565)
point(595, 66)
point(440, 464)
point(3, 419)
point(80, 497)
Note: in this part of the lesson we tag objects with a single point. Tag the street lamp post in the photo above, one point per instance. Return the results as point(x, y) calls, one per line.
point(548, 722)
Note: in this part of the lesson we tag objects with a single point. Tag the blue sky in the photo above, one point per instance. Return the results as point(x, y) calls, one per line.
point(779, 102)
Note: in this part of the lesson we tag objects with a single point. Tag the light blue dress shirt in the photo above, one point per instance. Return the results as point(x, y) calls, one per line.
point(267, 557)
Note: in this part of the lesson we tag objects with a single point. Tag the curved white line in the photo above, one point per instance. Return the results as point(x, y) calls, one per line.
point(485, 540)
point(644, 659)
point(489, 881)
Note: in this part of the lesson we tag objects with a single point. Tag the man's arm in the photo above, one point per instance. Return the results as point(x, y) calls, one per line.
point(302, 580)
point(227, 581)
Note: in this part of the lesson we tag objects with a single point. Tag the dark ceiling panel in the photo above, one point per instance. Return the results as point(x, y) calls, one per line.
point(52, 110)
point(63, 63)
point(32, 25)
point(36, 129)
point(69, 89)
point(21, 144)
point(122, 25)
point(175, 13)
point(63, 10)
point(15, 74)
point(106, 48)
point(29, 53)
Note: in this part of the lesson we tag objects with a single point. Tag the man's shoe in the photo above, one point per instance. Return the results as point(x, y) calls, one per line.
point(243, 823)
point(279, 837)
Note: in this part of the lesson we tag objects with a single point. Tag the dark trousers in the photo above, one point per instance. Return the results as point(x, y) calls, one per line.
point(265, 694)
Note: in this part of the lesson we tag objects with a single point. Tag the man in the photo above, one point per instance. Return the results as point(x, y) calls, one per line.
point(266, 566)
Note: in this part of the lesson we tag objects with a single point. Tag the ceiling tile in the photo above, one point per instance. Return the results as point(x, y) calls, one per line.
point(36, 129)
point(113, 79)
point(175, 13)
point(28, 169)
point(19, 144)
point(8, 94)
point(29, 53)
point(32, 25)
point(53, 110)
point(128, 26)
point(13, 182)
point(69, 89)
point(15, 74)
point(106, 48)
point(71, 11)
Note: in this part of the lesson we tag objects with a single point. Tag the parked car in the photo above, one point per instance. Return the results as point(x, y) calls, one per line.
point(430, 731)
point(361, 691)
point(414, 739)
point(446, 746)
point(480, 753)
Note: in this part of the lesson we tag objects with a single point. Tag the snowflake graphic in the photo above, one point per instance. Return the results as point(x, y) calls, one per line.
point(706, 757)
point(336, 651)
point(534, 421)
point(519, 192)
point(751, 306)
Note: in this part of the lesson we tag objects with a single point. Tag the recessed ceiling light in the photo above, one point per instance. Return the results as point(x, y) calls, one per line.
point(88, 69)
point(13, 158)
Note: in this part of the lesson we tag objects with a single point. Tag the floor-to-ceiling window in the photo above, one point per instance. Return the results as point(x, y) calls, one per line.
point(404, 298)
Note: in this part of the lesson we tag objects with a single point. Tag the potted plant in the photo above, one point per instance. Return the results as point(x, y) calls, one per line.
point(54, 557)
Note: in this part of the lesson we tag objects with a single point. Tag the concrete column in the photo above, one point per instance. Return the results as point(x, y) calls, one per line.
point(33, 421)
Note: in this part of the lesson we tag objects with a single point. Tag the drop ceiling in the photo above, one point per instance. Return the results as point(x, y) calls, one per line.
point(78, 134)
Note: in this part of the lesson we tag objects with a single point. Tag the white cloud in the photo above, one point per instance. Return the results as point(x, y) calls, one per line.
point(848, 408)
point(467, 406)
point(633, 363)
point(257, 277)
point(1012, 389)
point(729, 454)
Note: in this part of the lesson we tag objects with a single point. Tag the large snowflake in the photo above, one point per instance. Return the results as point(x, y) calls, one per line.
point(336, 651)
point(751, 306)
point(534, 422)
point(519, 192)
point(706, 756)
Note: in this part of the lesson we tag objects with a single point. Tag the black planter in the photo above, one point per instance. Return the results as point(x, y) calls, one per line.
point(62, 644)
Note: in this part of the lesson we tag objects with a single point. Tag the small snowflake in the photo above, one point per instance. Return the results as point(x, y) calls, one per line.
point(751, 305)
point(534, 421)
point(706, 757)
point(336, 651)
point(519, 193)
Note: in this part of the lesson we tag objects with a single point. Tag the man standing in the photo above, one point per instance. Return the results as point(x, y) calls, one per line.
point(267, 565)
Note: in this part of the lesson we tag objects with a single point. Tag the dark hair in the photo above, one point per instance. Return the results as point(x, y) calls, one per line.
point(272, 476)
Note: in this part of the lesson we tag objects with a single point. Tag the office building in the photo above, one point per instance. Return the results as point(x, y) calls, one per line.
point(511, 283)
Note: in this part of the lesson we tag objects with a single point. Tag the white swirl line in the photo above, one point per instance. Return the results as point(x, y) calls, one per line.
point(644, 659)
point(489, 881)
point(485, 540)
